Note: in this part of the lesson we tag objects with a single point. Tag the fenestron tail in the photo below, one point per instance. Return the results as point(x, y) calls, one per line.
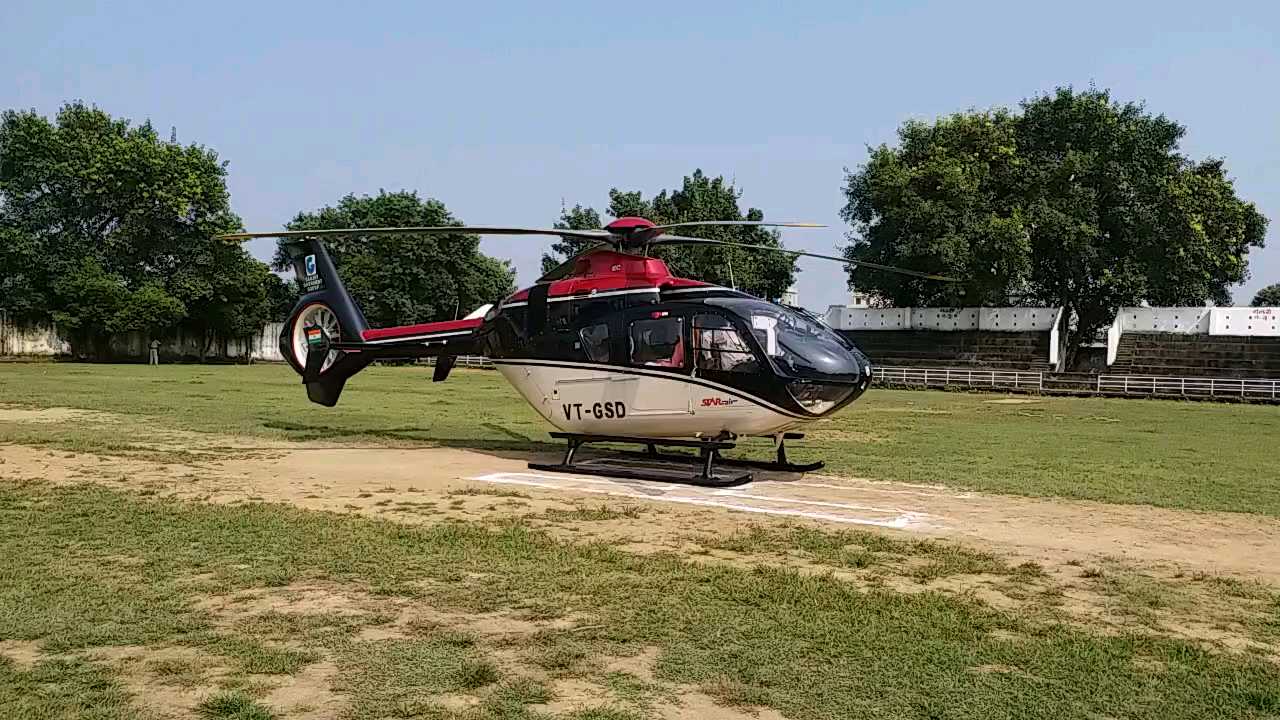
point(327, 339)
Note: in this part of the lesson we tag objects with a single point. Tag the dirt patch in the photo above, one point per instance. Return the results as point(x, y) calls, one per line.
point(639, 665)
point(574, 695)
point(54, 415)
point(168, 681)
point(1012, 401)
point(700, 705)
point(306, 598)
point(414, 486)
point(307, 694)
point(23, 653)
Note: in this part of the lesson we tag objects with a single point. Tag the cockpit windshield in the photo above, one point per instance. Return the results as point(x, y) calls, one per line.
point(822, 370)
point(800, 347)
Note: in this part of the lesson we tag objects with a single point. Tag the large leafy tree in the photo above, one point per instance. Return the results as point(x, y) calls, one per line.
point(1268, 296)
point(106, 227)
point(399, 279)
point(1077, 200)
point(944, 201)
point(700, 197)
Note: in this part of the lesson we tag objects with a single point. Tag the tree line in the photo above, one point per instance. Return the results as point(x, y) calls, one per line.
point(1073, 200)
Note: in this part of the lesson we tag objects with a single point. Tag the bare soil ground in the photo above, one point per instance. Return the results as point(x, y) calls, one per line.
point(402, 483)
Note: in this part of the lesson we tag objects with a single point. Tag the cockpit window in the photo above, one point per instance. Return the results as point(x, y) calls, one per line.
point(718, 346)
point(658, 342)
point(595, 342)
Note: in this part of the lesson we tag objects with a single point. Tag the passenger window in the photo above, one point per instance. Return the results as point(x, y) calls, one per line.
point(718, 346)
point(595, 342)
point(658, 342)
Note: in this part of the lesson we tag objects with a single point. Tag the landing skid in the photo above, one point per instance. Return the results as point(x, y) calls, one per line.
point(707, 459)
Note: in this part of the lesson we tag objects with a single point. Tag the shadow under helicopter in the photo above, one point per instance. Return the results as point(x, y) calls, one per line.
point(516, 446)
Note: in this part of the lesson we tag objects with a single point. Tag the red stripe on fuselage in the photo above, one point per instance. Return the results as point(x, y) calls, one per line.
point(421, 329)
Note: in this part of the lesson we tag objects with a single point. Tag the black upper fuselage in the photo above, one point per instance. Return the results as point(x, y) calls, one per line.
point(705, 333)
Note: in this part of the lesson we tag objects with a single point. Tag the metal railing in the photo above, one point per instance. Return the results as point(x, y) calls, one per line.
point(961, 377)
point(1262, 389)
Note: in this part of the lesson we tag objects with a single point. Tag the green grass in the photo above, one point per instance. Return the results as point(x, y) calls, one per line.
point(856, 549)
point(1202, 456)
point(811, 646)
point(233, 705)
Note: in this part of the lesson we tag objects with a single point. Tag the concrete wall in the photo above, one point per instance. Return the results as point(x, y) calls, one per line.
point(1190, 320)
point(1018, 319)
point(44, 340)
point(39, 340)
point(1264, 321)
point(944, 318)
point(1260, 321)
point(843, 317)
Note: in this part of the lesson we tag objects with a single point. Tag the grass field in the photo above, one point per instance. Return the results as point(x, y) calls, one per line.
point(88, 568)
point(127, 604)
point(1201, 456)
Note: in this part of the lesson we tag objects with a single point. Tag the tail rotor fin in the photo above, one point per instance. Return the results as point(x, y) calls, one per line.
point(324, 314)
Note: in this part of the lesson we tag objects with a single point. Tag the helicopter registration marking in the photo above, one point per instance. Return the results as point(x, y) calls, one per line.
point(615, 410)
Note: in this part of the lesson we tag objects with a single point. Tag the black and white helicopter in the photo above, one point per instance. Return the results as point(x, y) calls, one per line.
point(608, 347)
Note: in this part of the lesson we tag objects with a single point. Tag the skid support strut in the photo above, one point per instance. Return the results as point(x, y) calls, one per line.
point(650, 464)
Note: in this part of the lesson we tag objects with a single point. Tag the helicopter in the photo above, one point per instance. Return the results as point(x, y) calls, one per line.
point(608, 347)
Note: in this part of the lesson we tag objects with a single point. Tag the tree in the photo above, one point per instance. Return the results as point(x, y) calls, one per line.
point(401, 279)
point(149, 310)
point(1076, 201)
point(95, 210)
point(765, 274)
point(282, 295)
point(579, 218)
point(88, 300)
point(1268, 296)
point(943, 201)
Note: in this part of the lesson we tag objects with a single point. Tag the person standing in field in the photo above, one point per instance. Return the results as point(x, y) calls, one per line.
point(155, 353)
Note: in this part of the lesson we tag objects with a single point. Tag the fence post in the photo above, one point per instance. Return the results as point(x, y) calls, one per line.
point(1212, 392)
point(1184, 387)
point(1126, 384)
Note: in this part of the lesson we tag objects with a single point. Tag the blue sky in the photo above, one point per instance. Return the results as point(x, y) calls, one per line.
point(503, 109)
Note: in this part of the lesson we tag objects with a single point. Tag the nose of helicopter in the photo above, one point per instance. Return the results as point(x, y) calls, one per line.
point(836, 375)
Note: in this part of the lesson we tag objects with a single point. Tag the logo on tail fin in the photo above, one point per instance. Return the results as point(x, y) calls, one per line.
point(310, 263)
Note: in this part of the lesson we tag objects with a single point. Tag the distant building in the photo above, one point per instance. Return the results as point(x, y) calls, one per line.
point(791, 296)
point(863, 299)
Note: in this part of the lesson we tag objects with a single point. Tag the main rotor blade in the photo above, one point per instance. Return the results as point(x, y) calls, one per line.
point(679, 240)
point(435, 230)
point(756, 223)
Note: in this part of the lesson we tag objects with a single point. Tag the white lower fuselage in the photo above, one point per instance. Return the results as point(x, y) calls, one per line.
point(593, 399)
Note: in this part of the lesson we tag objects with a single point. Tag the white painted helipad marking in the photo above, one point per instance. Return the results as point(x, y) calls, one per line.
point(927, 490)
point(726, 498)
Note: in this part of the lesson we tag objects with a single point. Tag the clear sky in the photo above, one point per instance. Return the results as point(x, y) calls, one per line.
point(504, 109)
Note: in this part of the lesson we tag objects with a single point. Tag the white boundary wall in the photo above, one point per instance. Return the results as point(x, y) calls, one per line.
point(1189, 320)
point(44, 340)
point(1013, 319)
point(1250, 321)
point(1256, 321)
